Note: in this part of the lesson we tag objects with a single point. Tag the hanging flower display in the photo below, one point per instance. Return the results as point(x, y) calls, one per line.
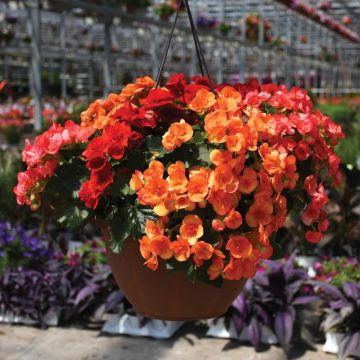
point(191, 177)
point(166, 9)
point(346, 20)
point(319, 16)
point(253, 28)
point(215, 173)
point(303, 39)
point(324, 5)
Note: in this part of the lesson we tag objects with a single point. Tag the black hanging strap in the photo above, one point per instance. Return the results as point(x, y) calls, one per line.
point(163, 61)
point(199, 52)
point(198, 46)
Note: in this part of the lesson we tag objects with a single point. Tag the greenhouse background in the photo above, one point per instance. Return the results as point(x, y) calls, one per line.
point(58, 298)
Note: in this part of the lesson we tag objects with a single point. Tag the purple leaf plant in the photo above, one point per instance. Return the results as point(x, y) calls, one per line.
point(342, 314)
point(277, 298)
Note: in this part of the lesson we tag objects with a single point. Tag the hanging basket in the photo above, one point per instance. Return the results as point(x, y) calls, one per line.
point(166, 295)
point(193, 176)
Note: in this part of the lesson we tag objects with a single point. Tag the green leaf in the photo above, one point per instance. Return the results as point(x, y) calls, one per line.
point(204, 154)
point(198, 138)
point(137, 216)
point(73, 216)
point(121, 187)
point(120, 230)
point(154, 145)
point(128, 222)
point(68, 178)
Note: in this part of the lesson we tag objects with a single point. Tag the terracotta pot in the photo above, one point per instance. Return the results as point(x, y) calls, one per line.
point(167, 295)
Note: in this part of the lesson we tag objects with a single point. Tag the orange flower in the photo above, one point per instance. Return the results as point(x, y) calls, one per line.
point(198, 186)
point(152, 229)
point(177, 177)
point(202, 250)
point(223, 176)
point(235, 125)
point(179, 132)
point(154, 192)
point(141, 84)
point(218, 225)
point(234, 270)
point(233, 219)
point(137, 180)
point(236, 142)
point(259, 213)
point(203, 101)
point(164, 208)
point(249, 269)
point(222, 201)
point(258, 120)
point(217, 265)
point(229, 99)
point(252, 136)
point(238, 163)
point(218, 157)
point(94, 116)
point(263, 237)
point(181, 249)
point(161, 246)
point(144, 247)
point(155, 170)
point(183, 202)
point(152, 263)
point(215, 125)
point(169, 141)
point(277, 182)
point(182, 131)
point(248, 181)
point(145, 82)
point(191, 229)
point(239, 246)
point(273, 160)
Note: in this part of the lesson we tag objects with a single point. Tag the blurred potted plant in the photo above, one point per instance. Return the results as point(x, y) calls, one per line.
point(274, 307)
point(136, 5)
point(338, 271)
point(342, 323)
point(165, 10)
point(224, 28)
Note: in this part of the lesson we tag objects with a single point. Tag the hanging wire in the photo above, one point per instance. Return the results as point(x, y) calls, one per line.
point(201, 58)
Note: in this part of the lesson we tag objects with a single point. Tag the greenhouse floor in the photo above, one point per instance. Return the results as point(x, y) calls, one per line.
point(27, 343)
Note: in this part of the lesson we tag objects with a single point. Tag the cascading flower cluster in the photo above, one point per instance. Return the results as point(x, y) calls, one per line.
point(43, 157)
point(203, 179)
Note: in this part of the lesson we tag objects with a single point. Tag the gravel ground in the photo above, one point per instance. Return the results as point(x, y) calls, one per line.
point(190, 343)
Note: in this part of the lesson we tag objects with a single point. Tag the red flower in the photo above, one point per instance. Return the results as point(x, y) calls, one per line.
point(201, 80)
point(102, 178)
point(313, 237)
point(89, 194)
point(157, 98)
point(134, 115)
point(310, 184)
point(176, 84)
point(118, 133)
point(302, 151)
point(96, 163)
point(116, 151)
point(96, 148)
point(269, 88)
